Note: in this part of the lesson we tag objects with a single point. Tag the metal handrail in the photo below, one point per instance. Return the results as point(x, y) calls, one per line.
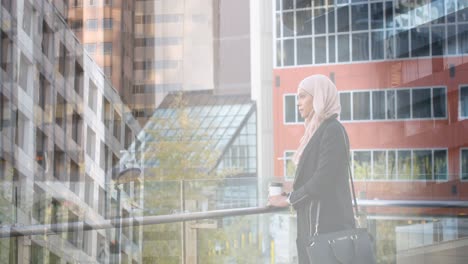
point(51, 229)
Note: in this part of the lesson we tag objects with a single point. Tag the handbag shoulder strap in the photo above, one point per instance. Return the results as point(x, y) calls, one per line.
point(356, 208)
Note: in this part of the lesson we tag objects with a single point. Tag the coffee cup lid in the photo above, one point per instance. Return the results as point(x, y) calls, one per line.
point(276, 184)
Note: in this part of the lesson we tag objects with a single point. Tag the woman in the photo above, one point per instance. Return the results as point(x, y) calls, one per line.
point(322, 165)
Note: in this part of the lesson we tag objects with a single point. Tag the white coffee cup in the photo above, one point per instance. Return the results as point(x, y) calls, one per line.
point(275, 188)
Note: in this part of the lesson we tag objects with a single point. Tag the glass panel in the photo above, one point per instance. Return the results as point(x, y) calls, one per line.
point(392, 165)
point(377, 45)
point(422, 165)
point(331, 49)
point(380, 165)
point(420, 42)
point(402, 44)
point(288, 55)
point(378, 105)
point(404, 165)
point(343, 48)
point(288, 4)
point(362, 165)
point(290, 109)
point(320, 48)
point(438, 41)
point(360, 46)
point(320, 21)
point(304, 51)
point(342, 16)
point(345, 100)
point(288, 24)
point(421, 103)
point(440, 165)
point(331, 20)
point(377, 15)
point(359, 16)
point(361, 106)
point(463, 37)
point(403, 104)
point(304, 23)
point(464, 164)
point(439, 102)
point(303, 3)
point(464, 101)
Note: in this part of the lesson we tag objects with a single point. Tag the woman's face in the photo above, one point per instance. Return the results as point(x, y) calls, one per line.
point(305, 103)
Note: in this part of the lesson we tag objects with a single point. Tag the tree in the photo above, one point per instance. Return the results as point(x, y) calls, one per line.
point(180, 158)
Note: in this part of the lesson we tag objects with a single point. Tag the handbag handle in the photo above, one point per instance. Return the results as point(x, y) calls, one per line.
point(356, 208)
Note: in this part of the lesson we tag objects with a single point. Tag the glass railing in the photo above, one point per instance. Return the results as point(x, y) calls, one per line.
point(209, 221)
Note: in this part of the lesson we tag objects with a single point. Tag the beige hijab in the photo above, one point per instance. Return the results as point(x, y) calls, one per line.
point(326, 103)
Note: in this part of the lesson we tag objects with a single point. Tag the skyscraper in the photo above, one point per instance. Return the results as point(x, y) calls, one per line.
point(62, 129)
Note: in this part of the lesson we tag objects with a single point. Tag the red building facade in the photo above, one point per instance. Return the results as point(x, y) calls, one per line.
point(402, 73)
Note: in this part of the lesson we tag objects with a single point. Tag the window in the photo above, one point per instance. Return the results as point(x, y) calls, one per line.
point(76, 25)
point(92, 2)
point(464, 164)
point(403, 104)
point(108, 2)
point(378, 105)
point(464, 102)
point(107, 70)
point(345, 100)
point(76, 3)
point(304, 51)
point(107, 23)
point(60, 166)
point(90, 47)
point(361, 106)
point(361, 31)
point(89, 191)
point(289, 166)
point(106, 47)
point(75, 179)
point(91, 143)
point(421, 103)
point(22, 131)
point(60, 111)
point(422, 165)
point(92, 24)
point(304, 23)
point(92, 96)
point(37, 253)
point(291, 113)
point(362, 165)
point(404, 164)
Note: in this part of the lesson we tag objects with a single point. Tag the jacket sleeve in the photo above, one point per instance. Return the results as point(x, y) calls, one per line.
point(329, 169)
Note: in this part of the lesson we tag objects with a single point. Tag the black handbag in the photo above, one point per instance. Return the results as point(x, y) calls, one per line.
point(349, 246)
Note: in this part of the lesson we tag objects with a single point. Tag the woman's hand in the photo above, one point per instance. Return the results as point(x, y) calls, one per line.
point(278, 201)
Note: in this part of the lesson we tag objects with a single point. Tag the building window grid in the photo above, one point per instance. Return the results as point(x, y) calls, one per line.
point(395, 105)
point(388, 176)
point(107, 23)
point(464, 164)
point(463, 102)
point(289, 168)
point(297, 118)
point(392, 29)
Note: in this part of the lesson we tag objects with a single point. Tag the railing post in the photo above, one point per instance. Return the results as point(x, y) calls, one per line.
point(182, 207)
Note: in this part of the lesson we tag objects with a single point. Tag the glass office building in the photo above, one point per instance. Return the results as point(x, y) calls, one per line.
point(62, 129)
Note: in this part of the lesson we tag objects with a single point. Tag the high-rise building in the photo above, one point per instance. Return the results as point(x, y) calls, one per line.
point(105, 28)
point(63, 128)
point(151, 48)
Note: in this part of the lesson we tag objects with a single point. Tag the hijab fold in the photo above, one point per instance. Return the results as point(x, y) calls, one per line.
point(326, 103)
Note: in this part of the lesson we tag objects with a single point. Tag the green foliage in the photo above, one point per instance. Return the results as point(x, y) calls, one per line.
point(180, 152)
